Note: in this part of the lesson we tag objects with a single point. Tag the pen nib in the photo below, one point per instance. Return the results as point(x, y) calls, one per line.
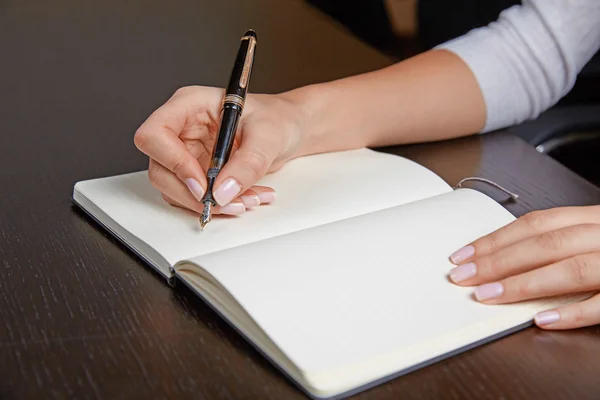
point(205, 217)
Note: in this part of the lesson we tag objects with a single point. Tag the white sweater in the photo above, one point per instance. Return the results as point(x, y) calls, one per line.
point(530, 57)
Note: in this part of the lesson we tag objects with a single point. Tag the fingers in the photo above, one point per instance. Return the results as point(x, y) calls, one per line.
point(541, 255)
point(530, 225)
point(177, 194)
point(577, 315)
point(577, 274)
point(260, 146)
point(250, 199)
point(257, 195)
point(266, 194)
point(176, 136)
point(171, 201)
point(231, 209)
point(158, 138)
point(529, 254)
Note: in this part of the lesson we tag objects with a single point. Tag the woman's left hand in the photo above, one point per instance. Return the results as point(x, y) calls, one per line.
point(542, 254)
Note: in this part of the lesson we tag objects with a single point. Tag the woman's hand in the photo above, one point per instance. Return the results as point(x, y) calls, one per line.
point(542, 254)
point(179, 138)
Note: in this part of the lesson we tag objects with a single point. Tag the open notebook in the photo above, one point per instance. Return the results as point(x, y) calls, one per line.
point(341, 283)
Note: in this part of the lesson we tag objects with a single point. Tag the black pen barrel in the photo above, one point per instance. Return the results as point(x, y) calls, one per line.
point(230, 118)
point(233, 102)
point(233, 106)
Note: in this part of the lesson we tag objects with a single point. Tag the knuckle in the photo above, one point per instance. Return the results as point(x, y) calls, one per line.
point(553, 240)
point(167, 199)
point(140, 139)
point(488, 244)
point(586, 229)
point(154, 173)
point(537, 220)
point(580, 269)
point(178, 165)
point(256, 163)
point(182, 91)
point(486, 267)
point(522, 287)
point(577, 314)
point(524, 290)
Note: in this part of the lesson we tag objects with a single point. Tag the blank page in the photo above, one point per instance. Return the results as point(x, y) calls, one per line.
point(311, 191)
point(359, 299)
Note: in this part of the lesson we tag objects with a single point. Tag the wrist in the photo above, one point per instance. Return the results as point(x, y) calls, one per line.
point(308, 101)
point(332, 115)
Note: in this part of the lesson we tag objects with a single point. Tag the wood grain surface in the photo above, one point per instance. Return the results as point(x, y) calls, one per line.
point(82, 318)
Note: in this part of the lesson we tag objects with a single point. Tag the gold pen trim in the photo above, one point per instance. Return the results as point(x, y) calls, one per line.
point(248, 62)
point(234, 99)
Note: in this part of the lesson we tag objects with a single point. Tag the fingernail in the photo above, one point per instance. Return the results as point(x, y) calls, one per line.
point(233, 209)
point(546, 317)
point(267, 197)
point(463, 272)
point(227, 191)
point(251, 200)
point(195, 187)
point(489, 291)
point(463, 254)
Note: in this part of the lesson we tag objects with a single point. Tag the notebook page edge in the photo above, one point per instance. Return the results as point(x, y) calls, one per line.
point(134, 244)
point(457, 341)
point(259, 346)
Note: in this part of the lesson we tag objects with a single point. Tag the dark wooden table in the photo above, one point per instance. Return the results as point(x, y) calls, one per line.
point(81, 317)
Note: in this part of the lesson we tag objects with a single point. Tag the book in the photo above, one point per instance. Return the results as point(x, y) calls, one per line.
point(342, 282)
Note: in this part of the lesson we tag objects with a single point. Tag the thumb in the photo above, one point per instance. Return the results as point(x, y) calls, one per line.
point(245, 167)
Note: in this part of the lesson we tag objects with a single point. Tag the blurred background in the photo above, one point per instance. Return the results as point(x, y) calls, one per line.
point(126, 55)
point(569, 132)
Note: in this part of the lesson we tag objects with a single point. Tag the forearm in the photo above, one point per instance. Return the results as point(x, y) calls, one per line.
point(491, 78)
point(429, 97)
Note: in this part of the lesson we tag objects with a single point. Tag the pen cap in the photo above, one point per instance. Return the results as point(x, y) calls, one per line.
point(250, 32)
point(240, 75)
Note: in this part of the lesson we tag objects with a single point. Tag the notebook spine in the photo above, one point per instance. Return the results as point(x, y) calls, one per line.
point(173, 277)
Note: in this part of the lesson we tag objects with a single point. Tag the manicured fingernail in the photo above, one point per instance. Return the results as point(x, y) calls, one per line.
point(463, 254)
point(233, 209)
point(489, 291)
point(546, 317)
point(195, 187)
point(267, 197)
point(227, 191)
point(463, 272)
point(251, 200)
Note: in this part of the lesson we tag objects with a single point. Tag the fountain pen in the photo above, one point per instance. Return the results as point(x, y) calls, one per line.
point(231, 112)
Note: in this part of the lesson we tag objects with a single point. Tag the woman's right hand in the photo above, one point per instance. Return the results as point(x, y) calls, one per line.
point(179, 137)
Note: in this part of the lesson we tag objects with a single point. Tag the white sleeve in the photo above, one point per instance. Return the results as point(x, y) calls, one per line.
point(528, 59)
